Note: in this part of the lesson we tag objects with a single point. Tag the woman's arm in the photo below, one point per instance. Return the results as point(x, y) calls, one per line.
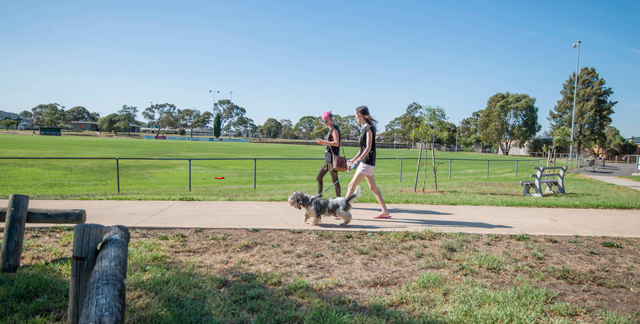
point(334, 143)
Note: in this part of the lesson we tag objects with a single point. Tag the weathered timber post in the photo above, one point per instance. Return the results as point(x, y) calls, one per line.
point(105, 301)
point(86, 238)
point(51, 216)
point(14, 233)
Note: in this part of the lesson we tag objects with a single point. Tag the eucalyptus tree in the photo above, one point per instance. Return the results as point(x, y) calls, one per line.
point(405, 125)
point(305, 126)
point(509, 119)
point(244, 125)
point(161, 115)
point(593, 107)
point(287, 128)
point(78, 113)
point(189, 118)
point(127, 117)
point(271, 128)
point(49, 115)
point(26, 114)
point(229, 112)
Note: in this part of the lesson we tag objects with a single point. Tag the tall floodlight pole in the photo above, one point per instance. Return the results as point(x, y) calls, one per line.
point(231, 96)
point(575, 96)
point(457, 137)
point(214, 99)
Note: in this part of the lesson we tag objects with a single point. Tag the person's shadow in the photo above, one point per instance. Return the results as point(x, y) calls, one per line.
point(425, 222)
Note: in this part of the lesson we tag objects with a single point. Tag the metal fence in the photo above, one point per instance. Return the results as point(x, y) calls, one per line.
point(255, 163)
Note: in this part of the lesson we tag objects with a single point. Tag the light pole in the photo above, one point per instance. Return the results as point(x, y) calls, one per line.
point(395, 140)
point(457, 129)
point(214, 98)
point(575, 96)
point(231, 96)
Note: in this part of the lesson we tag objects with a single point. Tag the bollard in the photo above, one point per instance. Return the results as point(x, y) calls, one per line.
point(86, 238)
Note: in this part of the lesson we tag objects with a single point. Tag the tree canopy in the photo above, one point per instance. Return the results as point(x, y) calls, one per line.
point(229, 112)
point(593, 108)
point(78, 113)
point(49, 115)
point(509, 119)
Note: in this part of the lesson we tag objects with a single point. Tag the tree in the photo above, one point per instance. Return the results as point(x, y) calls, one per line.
point(305, 126)
point(407, 122)
point(243, 125)
point(616, 144)
point(127, 117)
point(78, 113)
point(50, 115)
point(161, 115)
point(216, 126)
point(468, 133)
point(349, 126)
point(593, 108)
point(287, 128)
point(94, 117)
point(189, 118)
point(9, 123)
point(271, 128)
point(109, 123)
point(433, 126)
point(26, 114)
point(509, 119)
point(229, 112)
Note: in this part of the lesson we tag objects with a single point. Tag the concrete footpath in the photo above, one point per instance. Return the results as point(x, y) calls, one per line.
point(279, 215)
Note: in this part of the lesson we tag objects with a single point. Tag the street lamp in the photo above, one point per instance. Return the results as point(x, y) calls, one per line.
point(214, 98)
point(575, 96)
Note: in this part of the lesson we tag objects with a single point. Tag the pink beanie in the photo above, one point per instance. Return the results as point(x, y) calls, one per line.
point(327, 115)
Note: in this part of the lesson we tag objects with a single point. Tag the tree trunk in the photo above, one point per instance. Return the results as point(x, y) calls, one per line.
point(424, 179)
point(433, 160)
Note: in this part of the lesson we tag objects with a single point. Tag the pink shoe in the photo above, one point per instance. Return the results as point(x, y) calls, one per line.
point(382, 216)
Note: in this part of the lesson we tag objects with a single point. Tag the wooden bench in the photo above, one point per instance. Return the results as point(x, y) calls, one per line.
point(541, 178)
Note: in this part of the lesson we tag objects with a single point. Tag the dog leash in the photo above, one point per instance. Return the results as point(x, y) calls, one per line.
point(351, 169)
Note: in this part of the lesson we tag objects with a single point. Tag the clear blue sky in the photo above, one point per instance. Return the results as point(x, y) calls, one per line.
point(289, 59)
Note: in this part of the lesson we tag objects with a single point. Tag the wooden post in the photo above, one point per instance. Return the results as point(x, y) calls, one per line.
point(86, 238)
point(14, 233)
point(51, 216)
point(105, 301)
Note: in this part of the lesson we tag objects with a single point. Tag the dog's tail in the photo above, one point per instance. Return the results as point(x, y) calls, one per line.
point(354, 195)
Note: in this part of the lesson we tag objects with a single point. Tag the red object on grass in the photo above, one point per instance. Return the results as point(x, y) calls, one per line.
point(219, 178)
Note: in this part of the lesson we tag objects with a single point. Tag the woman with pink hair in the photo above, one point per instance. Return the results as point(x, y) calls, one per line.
point(332, 143)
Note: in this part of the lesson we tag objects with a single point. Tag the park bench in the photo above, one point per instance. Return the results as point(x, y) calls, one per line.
point(542, 178)
point(595, 163)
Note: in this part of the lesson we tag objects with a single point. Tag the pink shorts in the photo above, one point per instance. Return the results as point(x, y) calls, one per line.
point(366, 169)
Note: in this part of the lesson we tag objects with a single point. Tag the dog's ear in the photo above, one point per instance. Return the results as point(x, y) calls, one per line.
point(299, 201)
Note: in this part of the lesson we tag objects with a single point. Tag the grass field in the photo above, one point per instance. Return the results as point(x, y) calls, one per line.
point(242, 276)
point(276, 179)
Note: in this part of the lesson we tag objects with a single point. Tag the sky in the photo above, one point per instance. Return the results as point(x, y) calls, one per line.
point(289, 59)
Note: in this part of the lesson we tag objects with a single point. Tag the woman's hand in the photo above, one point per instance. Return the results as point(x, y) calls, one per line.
point(319, 141)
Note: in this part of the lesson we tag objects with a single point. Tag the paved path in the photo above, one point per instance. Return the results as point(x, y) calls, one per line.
point(279, 215)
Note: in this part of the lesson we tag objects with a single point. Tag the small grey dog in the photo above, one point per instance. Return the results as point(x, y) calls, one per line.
point(315, 207)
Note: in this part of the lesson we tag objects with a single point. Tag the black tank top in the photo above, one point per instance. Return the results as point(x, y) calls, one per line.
point(370, 159)
point(328, 156)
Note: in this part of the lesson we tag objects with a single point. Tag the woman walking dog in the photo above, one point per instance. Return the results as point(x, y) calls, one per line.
point(332, 142)
point(365, 160)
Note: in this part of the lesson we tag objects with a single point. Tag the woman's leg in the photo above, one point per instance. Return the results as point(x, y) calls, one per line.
point(334, 178)
point(355, 181)
point(321, 174)
point(376, 192)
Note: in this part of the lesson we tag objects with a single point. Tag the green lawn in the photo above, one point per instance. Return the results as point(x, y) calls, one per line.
point(275, 179)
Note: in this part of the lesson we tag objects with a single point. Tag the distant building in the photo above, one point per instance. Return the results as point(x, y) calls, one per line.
point(8, 115)
point(85, 126)
point(134, 128)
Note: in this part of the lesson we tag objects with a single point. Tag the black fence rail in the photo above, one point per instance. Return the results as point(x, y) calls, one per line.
point(255, 162)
